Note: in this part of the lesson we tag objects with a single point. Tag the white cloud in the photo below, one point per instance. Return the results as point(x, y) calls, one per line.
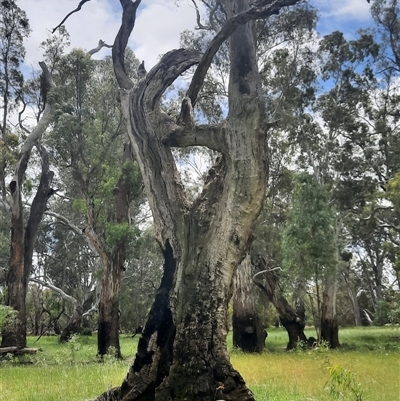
point(157, 28)
point(344, 10)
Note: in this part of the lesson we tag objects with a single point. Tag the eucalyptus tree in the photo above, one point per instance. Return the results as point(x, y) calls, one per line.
point(182, 352)
point(23, 231)
point(66, 266)
point(104, 186)
point(309, 245)
point(248, 332)
point(14, 28)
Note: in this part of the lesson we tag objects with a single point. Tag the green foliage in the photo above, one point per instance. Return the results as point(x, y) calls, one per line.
point(343, 385)
point(309, 236)
point(79, 205)
point(118, 234)
point(14, 28)
point(8, 316)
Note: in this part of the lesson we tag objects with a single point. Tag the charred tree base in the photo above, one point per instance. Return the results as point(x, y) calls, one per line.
point(14, 335)
point(105, 344)
point(330, 333)
point(248, 334)
point(73, 327)
point(295, 330)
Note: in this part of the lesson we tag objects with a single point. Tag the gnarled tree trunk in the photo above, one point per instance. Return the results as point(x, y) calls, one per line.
point(182, 354)
point(248, 333)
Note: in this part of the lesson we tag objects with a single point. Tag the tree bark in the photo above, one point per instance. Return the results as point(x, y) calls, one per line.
point(248, 333)
point(22, 240)
point(109, 313)
point(182, 354)
point(292, 320)
point(329, 324)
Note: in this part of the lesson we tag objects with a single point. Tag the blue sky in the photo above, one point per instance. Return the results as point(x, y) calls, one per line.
point(158, 25)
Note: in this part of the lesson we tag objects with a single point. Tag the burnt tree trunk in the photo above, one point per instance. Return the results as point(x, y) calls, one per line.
point(109, 313)
point(293, 320)
point(248, 333)
point(182, 354)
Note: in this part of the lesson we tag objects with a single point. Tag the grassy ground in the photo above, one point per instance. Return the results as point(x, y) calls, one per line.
point(367, 364)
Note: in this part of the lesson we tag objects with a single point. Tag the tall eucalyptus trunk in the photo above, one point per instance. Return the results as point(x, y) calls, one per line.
point(329, 324)
point(113, 266)
point(248, 333)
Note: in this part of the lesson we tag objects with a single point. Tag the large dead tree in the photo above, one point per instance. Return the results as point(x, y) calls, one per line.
point(182, 353)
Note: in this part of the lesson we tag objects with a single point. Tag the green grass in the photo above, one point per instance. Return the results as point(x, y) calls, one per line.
point(72, 372)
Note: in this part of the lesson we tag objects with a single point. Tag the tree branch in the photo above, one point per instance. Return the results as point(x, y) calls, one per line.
point(55, 289)
point(99, 47)
point(121, 41)
point(72, 12)
point(261, 10)
point(74, 228)
point(211, 136)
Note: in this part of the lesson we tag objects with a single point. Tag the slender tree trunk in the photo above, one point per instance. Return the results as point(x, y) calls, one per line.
point(108, 319)
point(248, 333)
point(109, 313)
point(22, 241)
point(329, 324)
point(292, 320)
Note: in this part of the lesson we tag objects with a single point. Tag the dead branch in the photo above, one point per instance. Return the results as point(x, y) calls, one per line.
point(128, 22)
point(261, 10)
point(99, 47)
point(68, 15)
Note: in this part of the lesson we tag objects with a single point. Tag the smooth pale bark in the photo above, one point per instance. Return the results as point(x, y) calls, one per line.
point(352, 294)
point(292, 320)
point(329, 324)
point(23, 239)
point(248, 333)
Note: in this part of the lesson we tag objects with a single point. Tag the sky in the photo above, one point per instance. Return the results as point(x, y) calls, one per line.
point(158, 24)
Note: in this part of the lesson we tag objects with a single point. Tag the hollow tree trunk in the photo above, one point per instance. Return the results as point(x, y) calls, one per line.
point(248, 333)
point(292, 320)
point(329, 324)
